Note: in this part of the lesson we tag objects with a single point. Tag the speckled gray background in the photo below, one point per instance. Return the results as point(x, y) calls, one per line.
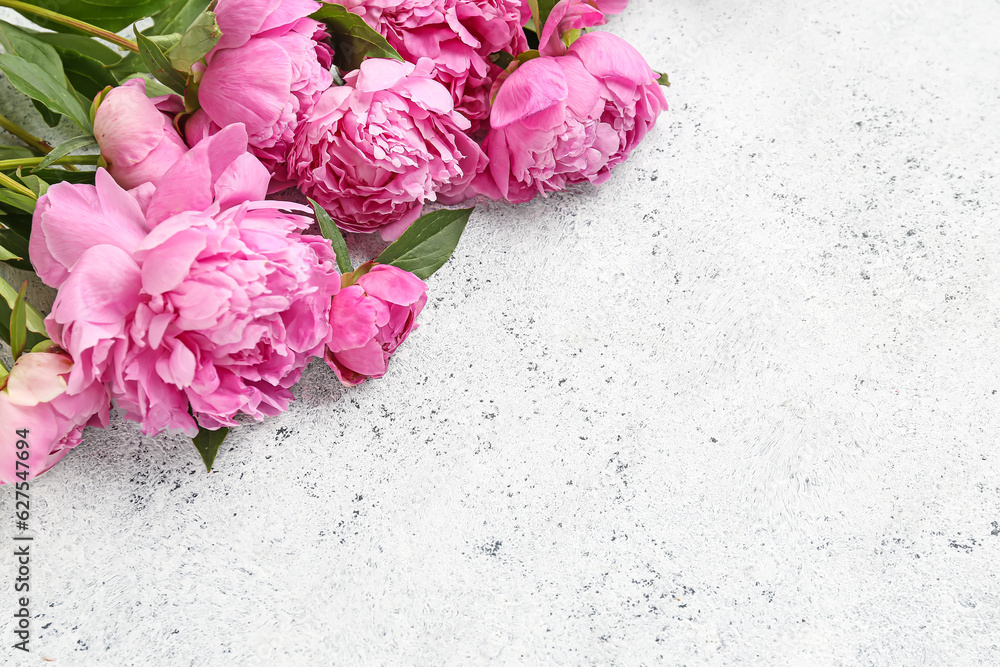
point(737, 406)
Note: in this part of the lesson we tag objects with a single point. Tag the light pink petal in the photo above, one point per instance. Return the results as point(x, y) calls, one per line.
point(127, 125)
point(352, 319)
point(167, 265)
point(381, 74)
point(103, 288)
point(188, 185)
point(245, 179)
point(369, 359)
point(249, 85)
point(535, 86)
point(239, 21)
point(37, 378)
point(393, 285)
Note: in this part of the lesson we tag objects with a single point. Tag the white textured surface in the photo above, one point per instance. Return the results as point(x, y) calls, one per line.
point(739, 406)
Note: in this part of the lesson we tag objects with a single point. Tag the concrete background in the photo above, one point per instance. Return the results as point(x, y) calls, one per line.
point(737, 406)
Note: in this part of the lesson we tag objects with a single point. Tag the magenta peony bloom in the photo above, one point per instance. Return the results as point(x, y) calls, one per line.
point(458, 35)
point(267, 72)
point(137, 139)
point(370, 319)
point(375, 149)
point(570, 118)
point(196, 295)
point(37, 409)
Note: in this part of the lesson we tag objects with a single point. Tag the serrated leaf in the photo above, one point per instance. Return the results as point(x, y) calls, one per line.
point(42, 86)
point(428, 243)
point(34, 320)
point(353, 40)
point(18, 324)
point(663, 80)
point(65, 148)
point(332, 233)
point(177, 16)
point(153, 51)
point(207, 443)
point(113, 15)
point(199, 39)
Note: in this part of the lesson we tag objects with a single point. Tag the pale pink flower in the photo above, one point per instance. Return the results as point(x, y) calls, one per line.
point(41, 417)
point(370, 319)
point(195, 296)
point(378, 147)
point(136, 134)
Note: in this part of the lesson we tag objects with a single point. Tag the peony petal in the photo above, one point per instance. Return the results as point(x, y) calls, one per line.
point(352, 319)
point(535, 86)
point(381, 74)
point(249, 85)
point(37, 378)
point(393, 285)
point(103, 288)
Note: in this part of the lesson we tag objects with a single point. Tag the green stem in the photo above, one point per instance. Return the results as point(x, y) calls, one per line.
point(24, 135)
point(13, 185)
point(35, 161)
point(71, 22)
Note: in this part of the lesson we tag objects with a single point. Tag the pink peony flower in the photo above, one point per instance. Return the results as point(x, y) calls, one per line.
point(370, 319)
point(37, 409)
point(137, 139)
point(375, 149)
point(196, 295)
point(267, 72)
point(569, 118)
point(458, 35)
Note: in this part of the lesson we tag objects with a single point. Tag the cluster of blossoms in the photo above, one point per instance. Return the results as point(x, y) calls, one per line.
point(192, 288)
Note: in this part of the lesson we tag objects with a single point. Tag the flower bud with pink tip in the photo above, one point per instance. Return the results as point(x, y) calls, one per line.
point(41, 421)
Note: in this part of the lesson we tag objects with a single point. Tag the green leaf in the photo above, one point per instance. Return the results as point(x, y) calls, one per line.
point(332, 233)
point(177, 16)
point(18, 42)
point(113, 15)
point(50, 117)
point(85, 46)
point(6, 255)
point(207, 443)
point(15, 152)
point(353, 40)
point(428, 243)
point(35, 183)
point(26, 204)
point(18, 324)
point(153, 51)
point(199, 39)
point(16, 244)
point(663, 80)
point(65, 148)
point(43, 86)
point(55, 175)
point(87, 75)
point(34, 320)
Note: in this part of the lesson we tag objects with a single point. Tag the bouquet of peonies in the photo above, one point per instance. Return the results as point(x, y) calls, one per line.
point(193, 285)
